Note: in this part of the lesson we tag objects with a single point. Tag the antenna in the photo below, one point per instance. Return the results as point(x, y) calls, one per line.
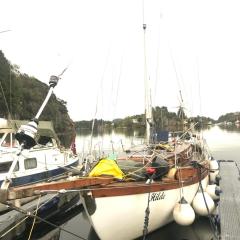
point(27, 133)
point(181, 98)
point(5, 31)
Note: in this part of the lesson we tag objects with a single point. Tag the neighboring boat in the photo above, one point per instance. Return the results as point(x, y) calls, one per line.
point(155, 183)
point(42, 162)
point(30, 152)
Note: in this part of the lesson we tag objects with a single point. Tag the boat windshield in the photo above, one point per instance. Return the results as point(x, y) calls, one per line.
point(1, 136)
point(44, 141)
point(5, 166)
point(8, 140)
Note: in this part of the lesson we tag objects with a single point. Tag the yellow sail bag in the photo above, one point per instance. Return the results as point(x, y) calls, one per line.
point(106, 166)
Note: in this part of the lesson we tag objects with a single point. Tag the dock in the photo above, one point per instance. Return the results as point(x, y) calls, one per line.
point(11, 218)
point(229, 204)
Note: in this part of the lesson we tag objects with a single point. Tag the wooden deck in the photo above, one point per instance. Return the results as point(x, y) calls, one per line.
point(229, 205)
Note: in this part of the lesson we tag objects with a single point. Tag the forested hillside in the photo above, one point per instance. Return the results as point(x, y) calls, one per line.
point(22, 96)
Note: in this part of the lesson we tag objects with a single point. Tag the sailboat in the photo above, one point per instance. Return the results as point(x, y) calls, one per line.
point(153, 184)
point(128, 195)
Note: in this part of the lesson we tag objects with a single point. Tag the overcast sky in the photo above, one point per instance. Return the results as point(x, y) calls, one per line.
point(191, 46)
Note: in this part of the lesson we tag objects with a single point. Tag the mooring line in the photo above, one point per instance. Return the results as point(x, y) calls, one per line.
point(29, 214)
point(34, 220)
point(212, 225)
point(9, 230)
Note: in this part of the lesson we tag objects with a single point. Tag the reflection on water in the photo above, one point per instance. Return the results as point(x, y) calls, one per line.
point(115, 141)
point(223, 143)
point(199, 230)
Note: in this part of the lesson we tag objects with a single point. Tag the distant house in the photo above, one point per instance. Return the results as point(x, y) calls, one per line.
point(135, 120)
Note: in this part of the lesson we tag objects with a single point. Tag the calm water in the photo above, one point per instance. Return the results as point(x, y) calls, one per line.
point(223, 144)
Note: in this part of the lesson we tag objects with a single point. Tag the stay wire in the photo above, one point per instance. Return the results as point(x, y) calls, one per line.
point(100, 89)
point(212, 225)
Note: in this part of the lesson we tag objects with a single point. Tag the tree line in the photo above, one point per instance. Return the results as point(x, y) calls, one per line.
point(163, 120)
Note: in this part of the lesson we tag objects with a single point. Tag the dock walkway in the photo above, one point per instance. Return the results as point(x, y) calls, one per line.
point(229, 204)
point(13, 217)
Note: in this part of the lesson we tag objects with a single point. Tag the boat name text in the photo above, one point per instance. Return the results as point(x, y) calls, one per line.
point(157, 196)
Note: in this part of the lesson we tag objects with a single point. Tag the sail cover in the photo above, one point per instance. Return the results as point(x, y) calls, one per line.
point(107, 167)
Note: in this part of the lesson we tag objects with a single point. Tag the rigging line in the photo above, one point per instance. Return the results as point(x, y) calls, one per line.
point(64, 70)
point(112, 95)
point(183, 85)
point(9, 230)
point(175, 70)
point(199, 88)
point(186, 131)
point(67, 66)
point(148, 105)
point(117, 92)
point(212, 225)
point(157, 67)
point(17, 224)
point(179, 79)
point(29, 214)
point(34, 220)
point(143, 12)
point(200, 99)
point(96, 108)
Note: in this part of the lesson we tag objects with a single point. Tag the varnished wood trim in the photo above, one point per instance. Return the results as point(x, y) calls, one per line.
point(121, 189)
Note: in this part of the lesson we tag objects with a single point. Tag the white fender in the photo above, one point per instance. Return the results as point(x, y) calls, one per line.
point(183, 213)
point(211, 190)
point(214, 170)
point(199, 204)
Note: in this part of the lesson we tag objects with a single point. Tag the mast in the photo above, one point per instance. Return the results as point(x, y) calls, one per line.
point(148, 105)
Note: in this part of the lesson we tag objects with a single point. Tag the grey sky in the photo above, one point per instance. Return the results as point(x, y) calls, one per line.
point(192, 46)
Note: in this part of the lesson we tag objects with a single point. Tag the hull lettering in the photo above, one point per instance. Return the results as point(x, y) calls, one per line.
point(157, 196)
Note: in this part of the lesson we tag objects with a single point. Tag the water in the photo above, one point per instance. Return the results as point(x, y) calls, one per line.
point(223, 144)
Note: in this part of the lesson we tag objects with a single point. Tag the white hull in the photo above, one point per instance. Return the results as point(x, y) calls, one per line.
point(44, 163)
point(122, 217)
